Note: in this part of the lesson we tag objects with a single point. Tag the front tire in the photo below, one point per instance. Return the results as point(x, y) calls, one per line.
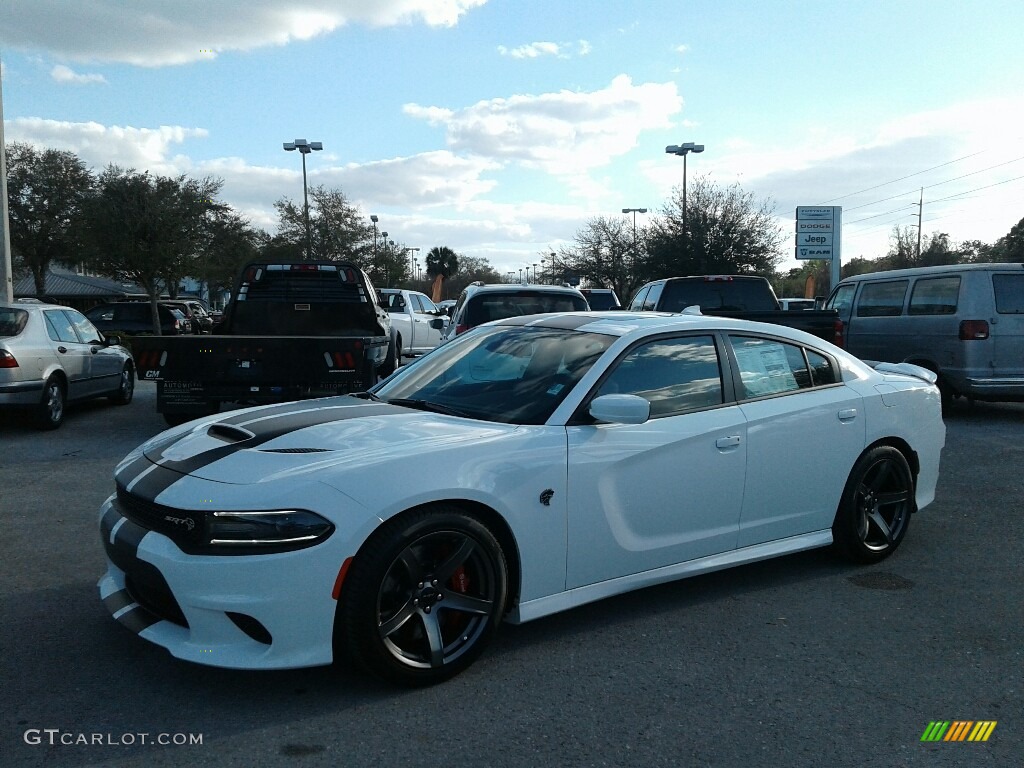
point(50, 412)
point(875, 509)
point(424, 596)
point(126, 388)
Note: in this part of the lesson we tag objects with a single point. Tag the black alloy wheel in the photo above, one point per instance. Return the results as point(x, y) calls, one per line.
point(876, 506)
point(424, 596)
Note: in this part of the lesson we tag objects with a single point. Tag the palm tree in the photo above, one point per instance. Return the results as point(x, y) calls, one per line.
point(442, 263)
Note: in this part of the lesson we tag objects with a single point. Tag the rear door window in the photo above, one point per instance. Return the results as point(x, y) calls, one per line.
point(1009, 290)
point(59, 327)
point(770, 367)
point(882, 299)
point(935, 296)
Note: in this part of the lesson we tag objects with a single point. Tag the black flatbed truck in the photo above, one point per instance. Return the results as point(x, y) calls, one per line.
point(291, 331)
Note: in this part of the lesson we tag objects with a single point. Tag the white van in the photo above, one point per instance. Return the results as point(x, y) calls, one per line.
point(965, 322)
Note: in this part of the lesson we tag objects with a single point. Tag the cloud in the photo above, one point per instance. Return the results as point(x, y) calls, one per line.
point(151, 34)
point(63, 74)
point(98, 145)
point(682, 49)
point(532, 51)
point(563, 133)
point(539, 49)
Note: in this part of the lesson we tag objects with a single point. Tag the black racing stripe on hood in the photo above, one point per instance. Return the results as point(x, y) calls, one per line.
point(265, 427)
point(298, 406)
point(132, 470)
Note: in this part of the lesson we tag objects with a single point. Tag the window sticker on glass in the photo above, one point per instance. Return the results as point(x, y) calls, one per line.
point(764, 369)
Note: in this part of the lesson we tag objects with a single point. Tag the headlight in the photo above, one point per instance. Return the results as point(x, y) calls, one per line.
point(265, 531)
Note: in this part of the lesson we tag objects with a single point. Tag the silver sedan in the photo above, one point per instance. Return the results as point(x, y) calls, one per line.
point(51, 355)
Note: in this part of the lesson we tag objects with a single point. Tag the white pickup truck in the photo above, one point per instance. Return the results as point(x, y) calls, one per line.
point(418, 323)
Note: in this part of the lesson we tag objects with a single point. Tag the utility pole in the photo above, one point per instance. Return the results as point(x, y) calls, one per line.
point(920, 210)
point(6, 269)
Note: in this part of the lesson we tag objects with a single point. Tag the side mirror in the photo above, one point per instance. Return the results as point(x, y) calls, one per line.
point(437, 323)
point(620, 409)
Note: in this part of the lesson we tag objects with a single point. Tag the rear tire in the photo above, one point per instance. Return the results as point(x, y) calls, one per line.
point(423, 597)
point(390, 364)
point(50, 412)
point(875, 509)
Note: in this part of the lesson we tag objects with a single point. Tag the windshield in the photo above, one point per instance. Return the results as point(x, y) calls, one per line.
point(513, 375)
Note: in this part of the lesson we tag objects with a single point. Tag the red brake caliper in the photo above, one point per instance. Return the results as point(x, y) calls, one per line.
point(459, 582)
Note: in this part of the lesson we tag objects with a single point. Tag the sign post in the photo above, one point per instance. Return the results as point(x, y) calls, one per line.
point(819, 231)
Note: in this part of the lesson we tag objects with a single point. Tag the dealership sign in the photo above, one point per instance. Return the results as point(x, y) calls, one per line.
point(818, 231)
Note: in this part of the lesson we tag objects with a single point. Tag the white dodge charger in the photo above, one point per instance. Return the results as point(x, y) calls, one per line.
point(529, 466)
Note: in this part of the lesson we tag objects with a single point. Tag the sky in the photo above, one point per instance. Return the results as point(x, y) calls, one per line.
point(499, 128)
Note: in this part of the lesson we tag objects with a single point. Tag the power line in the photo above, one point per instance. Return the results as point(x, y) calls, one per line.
point(918, 173)
point(937, 183)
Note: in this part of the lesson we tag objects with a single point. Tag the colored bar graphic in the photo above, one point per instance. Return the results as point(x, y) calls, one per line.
point(982, 730)
point(958, 730)
point(935, 730)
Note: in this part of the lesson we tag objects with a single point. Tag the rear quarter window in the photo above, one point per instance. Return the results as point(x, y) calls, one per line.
point(1009, 291)
point(12, 321)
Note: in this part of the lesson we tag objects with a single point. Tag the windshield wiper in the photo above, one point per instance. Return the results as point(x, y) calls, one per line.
point(366, 396)
point(427, 405)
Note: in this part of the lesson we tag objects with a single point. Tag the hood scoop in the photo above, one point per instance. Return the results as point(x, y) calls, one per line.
point(229, 433)
point(295, 450)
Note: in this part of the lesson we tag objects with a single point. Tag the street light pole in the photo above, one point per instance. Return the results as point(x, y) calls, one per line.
point(305, 147)
point(684, 150)
point(374, 219)
point(634, 211)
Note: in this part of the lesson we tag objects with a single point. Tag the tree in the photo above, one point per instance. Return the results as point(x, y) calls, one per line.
point(442, 263)
point(726, 232)
point(1010, 247)
point(603, 255)
point(149, 229)
point(902, 249)
point(230, 243)
point(337, 229)
point(47, 192)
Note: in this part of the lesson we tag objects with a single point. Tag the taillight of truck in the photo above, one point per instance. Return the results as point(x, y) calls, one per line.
point(973, 330)
point(839, 334)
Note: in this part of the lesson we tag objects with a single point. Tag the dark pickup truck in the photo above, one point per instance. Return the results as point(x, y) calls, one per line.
point(291, 331)
point(742, 296)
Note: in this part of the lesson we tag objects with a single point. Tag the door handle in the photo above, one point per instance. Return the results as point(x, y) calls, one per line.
point(847, 414)
point(62, 350)
point(727, 442)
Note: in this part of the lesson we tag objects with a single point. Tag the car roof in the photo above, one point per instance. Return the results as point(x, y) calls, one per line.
point(624, 323)
point(508, 287)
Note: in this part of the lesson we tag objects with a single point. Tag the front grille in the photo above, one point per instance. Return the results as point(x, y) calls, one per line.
point(180, 525)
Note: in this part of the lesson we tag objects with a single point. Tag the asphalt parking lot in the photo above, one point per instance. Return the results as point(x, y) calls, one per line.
point(801, 661)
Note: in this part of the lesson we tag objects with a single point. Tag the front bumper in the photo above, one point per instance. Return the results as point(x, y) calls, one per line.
point(272, 611)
